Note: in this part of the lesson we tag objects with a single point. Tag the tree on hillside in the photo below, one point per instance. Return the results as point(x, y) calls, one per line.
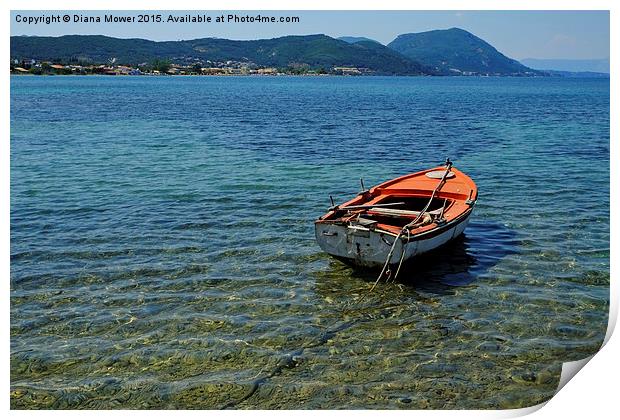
point(161, 65)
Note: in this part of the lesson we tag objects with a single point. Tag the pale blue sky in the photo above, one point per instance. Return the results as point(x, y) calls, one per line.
point(518, 34)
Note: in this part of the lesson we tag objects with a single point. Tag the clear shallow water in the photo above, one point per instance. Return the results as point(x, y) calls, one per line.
point(163, 254)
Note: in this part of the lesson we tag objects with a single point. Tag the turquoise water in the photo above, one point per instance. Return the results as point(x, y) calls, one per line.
point(163, 253)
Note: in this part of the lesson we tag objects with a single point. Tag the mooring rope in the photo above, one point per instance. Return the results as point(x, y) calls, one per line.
point(406, 229)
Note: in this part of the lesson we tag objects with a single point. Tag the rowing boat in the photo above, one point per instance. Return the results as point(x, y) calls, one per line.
point(399, 219)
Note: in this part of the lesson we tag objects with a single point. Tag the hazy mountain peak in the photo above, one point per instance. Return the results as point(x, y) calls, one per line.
point(589, 65)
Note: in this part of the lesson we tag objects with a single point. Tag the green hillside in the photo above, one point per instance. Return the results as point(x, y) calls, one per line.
point(454, 51)
point(314, 51)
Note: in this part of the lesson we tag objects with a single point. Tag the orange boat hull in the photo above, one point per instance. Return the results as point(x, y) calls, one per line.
point(362, 230)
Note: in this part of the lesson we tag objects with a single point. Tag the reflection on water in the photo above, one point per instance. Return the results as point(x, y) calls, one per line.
point(464, 259)
point(458, 263)
point(163, 256)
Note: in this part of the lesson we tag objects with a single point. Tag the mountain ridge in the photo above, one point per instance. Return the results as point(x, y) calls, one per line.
point(439, 52)
point(356, 39)
point(314, 51)
point(456, 51)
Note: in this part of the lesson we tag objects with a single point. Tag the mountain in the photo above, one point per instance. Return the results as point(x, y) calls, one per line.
point(596, 65)
point(383, 54)
point(355, 39)
point(314, 51)
point(456, 51)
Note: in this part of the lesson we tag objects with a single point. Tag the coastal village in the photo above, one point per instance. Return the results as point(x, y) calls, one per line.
point(166, 68)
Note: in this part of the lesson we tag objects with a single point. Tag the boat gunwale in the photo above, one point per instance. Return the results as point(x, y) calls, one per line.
point(438, 229)
point(378, 192)
point(382, 188)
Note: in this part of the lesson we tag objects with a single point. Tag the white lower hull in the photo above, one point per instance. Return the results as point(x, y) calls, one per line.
point(370, 248)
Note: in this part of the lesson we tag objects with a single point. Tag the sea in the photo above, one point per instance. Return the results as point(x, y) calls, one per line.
point(163, 252)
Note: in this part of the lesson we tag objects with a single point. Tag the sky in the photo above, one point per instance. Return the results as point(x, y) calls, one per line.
point(517, 34)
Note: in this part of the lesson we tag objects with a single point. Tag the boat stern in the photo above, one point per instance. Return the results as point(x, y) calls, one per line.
point(359, 245)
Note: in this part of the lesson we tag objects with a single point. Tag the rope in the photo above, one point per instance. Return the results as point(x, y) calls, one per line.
point(406, 229)
point(402, 256)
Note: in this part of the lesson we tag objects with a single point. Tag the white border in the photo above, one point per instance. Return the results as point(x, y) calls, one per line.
point(310, 5)
point(592, 394)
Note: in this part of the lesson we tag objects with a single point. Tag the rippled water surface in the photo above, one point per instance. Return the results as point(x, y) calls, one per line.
point(163, 253)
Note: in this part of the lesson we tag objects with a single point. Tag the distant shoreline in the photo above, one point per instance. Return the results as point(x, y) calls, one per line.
point(449, 52)
point(548, 76)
